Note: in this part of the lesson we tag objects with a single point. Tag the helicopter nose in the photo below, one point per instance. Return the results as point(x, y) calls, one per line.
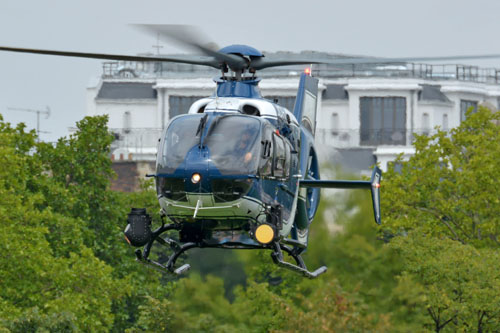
point(196, 170)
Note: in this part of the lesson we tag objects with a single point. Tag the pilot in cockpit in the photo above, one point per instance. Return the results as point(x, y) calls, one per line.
point(243, 147)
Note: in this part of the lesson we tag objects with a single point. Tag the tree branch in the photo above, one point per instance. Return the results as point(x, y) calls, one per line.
point(438, 216)
point(446, 322)
point(479, 322)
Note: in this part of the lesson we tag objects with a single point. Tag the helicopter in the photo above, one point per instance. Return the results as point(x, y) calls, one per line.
point(237, 171)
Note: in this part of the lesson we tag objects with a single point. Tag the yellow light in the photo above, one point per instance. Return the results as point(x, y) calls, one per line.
point(195, 178)
point(264, 234)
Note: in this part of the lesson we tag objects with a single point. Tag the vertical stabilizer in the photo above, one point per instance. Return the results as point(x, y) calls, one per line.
point(306, 102)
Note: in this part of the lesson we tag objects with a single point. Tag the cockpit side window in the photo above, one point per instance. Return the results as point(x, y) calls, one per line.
point(280, 163)
point(266, 157)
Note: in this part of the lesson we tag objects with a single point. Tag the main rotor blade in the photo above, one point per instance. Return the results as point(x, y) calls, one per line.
point(194, 60)
point(261, 63)
point(192, 37)
point(378, 60)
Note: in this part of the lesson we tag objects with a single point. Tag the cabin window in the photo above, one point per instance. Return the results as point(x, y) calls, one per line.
point(383, 120)
point(287, 159)
point(281, 161)
point(465, 106)
point(266, 158)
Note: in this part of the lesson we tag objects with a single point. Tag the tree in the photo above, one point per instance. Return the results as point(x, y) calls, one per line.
point(442, 209)
point(456, 284)
point(48, 275)
point(450, 186)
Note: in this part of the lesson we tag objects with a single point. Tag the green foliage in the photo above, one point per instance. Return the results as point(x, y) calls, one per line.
point(458, 285)
point(67, 267)
point(61, 231)
point(48, 275)
point(444, 205)
point(34, 321)
point(450, 186)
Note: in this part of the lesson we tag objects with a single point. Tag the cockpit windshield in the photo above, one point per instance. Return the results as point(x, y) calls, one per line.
point(182, 134)
point(233, 142)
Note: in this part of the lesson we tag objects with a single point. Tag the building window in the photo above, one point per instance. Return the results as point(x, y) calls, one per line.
point(465, 105)
point(426, 125)
point(127, 121)
point(180, 104)
point(383, 120)
point(335, 123)
point(445, 122)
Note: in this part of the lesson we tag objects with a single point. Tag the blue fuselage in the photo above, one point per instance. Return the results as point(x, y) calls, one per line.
point(246, 164)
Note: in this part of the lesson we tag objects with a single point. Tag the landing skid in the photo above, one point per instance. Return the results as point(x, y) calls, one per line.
point(300, 267)
point(178, 249)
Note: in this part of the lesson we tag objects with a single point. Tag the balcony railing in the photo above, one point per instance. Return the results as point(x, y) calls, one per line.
point(130, 69)
point(370, 137)
point(349, 138)
point(136, 138)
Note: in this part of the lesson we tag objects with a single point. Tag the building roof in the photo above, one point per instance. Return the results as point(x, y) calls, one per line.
point(432, 93)
point(126, 90)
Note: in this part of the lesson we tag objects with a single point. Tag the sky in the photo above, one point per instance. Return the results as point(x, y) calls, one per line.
point(390, 28)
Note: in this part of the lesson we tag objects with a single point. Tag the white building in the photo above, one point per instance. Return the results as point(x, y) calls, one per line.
point(366, 113)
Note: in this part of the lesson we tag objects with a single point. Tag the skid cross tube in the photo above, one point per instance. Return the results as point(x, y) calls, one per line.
point(178, 249)
point(300, 267)
point(143, 256)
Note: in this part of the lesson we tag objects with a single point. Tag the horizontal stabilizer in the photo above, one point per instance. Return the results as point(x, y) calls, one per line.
point(373, 185)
